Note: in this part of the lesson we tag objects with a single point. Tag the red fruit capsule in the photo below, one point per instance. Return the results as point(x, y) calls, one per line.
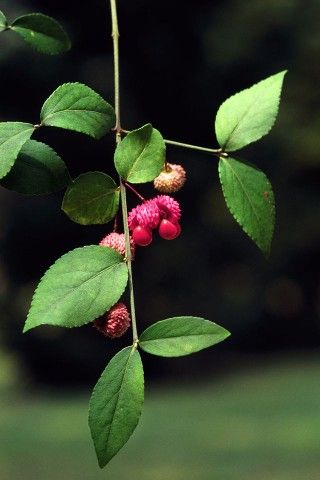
point(169, 230)
point(142, 236)
point(115, 323)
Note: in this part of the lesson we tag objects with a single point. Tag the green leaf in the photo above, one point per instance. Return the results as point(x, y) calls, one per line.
point(249, 197)
point(116, 404)
point(178, 336)
point(82, 285)
point(75, 106)
point(43, 33)
point(37, 170)
point(92, 198)
point(250, 114)
point(13, 135)
point(140, 156)
point(3, 21)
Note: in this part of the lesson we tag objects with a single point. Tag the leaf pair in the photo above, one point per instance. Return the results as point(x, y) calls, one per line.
point(43, 33)
point(86, 282)
point(78, 288)
point(93, 198)
point(117, 399)
point(241, 120)
point(37, 168)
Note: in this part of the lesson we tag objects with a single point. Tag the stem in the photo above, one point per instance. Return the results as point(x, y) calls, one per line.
point(115, 37)
point(216, 151)
point(115, 223)
point(135, 191)
point(129, 260)
point(123, 196)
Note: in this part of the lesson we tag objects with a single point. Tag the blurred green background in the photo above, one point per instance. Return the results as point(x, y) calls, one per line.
point(248, 408)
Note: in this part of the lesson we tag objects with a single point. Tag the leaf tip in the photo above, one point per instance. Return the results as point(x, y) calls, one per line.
point(226, 334)
point(26, 327)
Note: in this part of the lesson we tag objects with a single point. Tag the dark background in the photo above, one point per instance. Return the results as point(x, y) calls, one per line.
point(179, 61)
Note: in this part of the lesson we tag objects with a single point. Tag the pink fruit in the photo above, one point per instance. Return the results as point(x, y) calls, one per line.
point(115, 323)
point(169, 230)
point(169, 208)
point(142, 236)
point(146, 215)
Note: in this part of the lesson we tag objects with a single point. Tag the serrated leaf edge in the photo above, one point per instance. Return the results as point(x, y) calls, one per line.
point(5, 24)
point(149, 127)
point(132, 351)
point(79, 130)
point(10, 165)
point(225, 146)
point(138, 130)
point(265, 252)
point(116, 191)
point(35, 46)
point(52, 150)
point(180, 336)
point(143, 343)
point(26, 328)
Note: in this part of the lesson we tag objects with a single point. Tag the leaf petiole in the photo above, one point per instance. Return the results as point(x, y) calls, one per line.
point(215, 151)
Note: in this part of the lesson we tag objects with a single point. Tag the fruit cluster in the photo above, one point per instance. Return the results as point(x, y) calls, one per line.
point(162, 212)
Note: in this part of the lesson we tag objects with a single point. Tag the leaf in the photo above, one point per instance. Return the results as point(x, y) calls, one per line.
point(92, 198)
point(116, 404)
point(43, 33)
point(37, 170)
point(3, 22)
point(140, 156)
point(178, 336)
point(13, 135)
point(75, 106)
point(82, 285)
point(249, 197)
point(250, 114)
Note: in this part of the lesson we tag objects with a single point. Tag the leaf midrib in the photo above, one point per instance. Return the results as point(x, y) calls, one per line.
point(118, 393)
point(44, 34)
point(242, 119)
point(81, 204)
point(15, 135)
point(142, 341)
point(72, 110)
point(63, 297)
point(244, 190)
point(132, 168)
point(85, 97)
point(36, 165)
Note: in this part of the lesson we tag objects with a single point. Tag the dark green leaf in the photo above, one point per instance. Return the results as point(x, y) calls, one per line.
point(79, 287)
point(250, 114)
point(75, 106)
point(43, 33)
point(178, 336)
point(3, 21)
point(13, 135)
point(140, 156)
point(37, 170)
point(249, 197)
point(116, 404)
point(92, 198)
